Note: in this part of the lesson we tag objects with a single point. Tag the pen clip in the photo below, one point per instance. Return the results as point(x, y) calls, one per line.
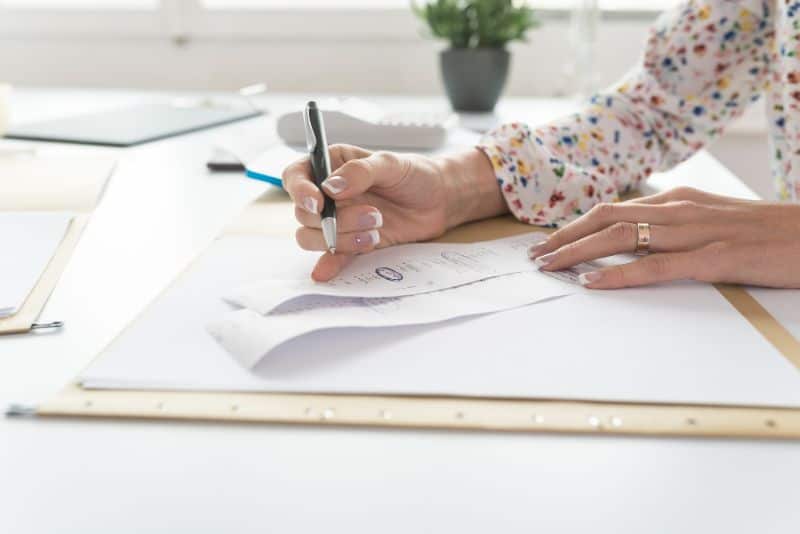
point(311, 139)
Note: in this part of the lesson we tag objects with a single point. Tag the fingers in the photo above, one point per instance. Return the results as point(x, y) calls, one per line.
point(648, 270)
point(686, 193)
point(694, 235)
point(605, 215)
point(341, 153)
point(348, 219)
point(721, 261)
point(346, 243)
point(330, 265)
point(355, 171)
point(379, 170)
point(357, 230)
point(622, 237)
point(298, 182)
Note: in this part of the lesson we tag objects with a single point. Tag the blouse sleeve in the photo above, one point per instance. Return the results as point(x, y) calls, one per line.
point(704, 62)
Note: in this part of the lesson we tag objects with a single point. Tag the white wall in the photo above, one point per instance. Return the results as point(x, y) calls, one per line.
point(747, 155)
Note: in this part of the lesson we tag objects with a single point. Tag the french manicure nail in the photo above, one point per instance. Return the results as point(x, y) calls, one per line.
point(588, 278)
point(535, 251)
point(367, 238)
point(335, 185)
point(310, 205)
point(541, 261)
point(372, 219)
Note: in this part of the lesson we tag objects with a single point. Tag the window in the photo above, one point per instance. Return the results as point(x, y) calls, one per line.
point(183, 20)
point(609, 5)
point(80, 4)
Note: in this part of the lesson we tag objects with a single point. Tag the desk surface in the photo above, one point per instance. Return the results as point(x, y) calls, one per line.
point(160, 209)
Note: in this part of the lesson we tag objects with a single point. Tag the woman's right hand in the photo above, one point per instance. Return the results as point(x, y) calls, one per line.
point(385, 198)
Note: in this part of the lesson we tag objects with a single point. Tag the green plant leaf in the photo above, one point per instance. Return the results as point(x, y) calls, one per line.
point(477, 23)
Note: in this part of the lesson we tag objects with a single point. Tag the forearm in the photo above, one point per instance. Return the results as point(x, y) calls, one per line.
point(473, 190)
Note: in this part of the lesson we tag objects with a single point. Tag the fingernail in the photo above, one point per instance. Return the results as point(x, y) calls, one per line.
point(367, 238)
point(335, 185)
point(541, 261)
point(310, 205)
point(588, 278)
point(373, 219)
point(536, 250)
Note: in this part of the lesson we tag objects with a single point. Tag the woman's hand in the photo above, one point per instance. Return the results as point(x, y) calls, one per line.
point(383, 199)
point(694, 235)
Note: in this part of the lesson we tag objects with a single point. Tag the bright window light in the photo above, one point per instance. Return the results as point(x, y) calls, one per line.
point(80, 4)
point(614, 5)
point(609, 5)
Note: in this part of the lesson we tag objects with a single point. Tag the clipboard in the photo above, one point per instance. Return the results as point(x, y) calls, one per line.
point(441, 412)
point(70, 183)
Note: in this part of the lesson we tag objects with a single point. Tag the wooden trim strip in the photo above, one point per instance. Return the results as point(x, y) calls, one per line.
point(449, 413)
point(763, 321)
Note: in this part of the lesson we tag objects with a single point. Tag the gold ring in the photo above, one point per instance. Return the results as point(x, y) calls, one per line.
point(642, 239)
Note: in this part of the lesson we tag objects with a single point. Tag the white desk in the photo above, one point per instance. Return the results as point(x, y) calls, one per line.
point(90, 476)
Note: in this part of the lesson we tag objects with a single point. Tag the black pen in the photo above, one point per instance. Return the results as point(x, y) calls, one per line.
point(317, 143)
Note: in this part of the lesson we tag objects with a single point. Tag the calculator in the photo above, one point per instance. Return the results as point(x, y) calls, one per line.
point(356, 122)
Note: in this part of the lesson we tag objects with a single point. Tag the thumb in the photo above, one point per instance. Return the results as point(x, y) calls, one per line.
point(329, 265)
point(379, 170)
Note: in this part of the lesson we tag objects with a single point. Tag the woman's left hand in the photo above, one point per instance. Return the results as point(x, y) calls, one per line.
point(694, 235)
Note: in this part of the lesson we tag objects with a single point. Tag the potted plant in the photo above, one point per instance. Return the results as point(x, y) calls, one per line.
point(475, 66)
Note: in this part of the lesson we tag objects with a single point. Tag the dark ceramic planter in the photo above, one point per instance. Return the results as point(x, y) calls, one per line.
point(474, 77)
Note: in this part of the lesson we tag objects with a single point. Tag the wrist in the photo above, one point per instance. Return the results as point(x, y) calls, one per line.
point(471, 187)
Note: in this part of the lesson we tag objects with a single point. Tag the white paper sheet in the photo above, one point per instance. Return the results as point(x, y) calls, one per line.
point(400, 271)
point(249, 336)
point(249, 141)
point(672, 343)
point(27, 242)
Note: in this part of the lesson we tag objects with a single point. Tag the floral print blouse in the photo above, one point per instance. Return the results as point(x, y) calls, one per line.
point(704, 63)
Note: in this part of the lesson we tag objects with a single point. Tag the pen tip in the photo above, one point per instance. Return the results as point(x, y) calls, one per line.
point(333, 250)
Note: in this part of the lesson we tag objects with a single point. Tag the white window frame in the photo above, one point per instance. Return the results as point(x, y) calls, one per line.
point(185, 20)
